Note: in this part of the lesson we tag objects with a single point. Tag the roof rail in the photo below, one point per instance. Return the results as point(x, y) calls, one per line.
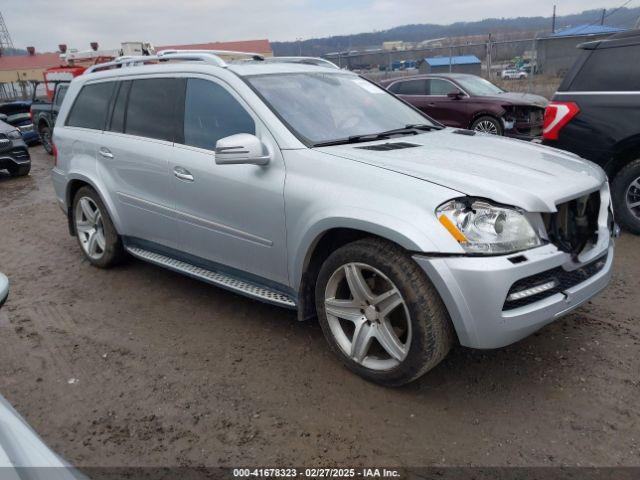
point(320, 62)
point(211, 57)
point(217, 53)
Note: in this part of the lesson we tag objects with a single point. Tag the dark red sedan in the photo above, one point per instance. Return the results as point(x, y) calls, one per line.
point(468, 101)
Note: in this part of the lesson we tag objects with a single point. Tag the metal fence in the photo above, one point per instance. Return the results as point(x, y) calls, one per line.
point(495, 55)
point(16, 91)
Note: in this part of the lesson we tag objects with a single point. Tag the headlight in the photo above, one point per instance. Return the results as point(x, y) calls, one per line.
point(15, 134)
point(481, 227)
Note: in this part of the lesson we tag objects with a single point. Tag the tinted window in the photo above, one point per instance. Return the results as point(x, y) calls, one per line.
point(150, 111)
point(441, 87)
point(610, 69)
point(62, 91)
point(90, 107)
point(410, 87)
point(117, 118)
point(211, 113)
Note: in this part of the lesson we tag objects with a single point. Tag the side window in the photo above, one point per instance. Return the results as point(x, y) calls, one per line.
point(120, 104)
point(441, 87)
point(411, 87)
point(212, 113)
point(151, 106)
point(610, 70)
point(90, 108)
point(62, 91)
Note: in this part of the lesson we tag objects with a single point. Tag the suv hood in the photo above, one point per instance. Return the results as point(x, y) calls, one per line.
point(5, 127)
point(523, 99)
point(512, 172)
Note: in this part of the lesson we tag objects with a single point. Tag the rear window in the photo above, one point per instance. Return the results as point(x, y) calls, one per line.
point(610, 70)
point(410, 87)
point(90, 107)
point(151, 107)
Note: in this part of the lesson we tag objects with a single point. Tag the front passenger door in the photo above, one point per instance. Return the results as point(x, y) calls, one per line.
point(231, 215)
point(450, 111)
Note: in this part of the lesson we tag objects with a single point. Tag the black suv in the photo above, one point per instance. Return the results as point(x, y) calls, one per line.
point(596, 114)
point(14, 155)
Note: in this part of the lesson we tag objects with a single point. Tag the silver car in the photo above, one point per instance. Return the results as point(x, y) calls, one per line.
point(4, 289)
point(296, 183)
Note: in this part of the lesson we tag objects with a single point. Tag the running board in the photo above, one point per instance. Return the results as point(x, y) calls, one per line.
point(215, 278)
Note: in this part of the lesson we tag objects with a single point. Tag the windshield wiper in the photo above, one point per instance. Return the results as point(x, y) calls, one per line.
point(413, 129)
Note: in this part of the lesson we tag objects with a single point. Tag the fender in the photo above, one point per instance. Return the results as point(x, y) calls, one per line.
point(102, 192)
point(394, 229)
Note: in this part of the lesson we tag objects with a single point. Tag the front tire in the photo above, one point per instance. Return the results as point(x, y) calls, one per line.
point(625, 190)
point(95, 232)
point(380, 313)
point(487, 124)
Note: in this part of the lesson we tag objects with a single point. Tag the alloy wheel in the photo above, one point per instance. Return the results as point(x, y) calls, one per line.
point(367, 316)
point(90, 229)
point(487, 126)
point(633, 197)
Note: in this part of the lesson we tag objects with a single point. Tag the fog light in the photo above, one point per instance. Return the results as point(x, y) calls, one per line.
point(532, 291)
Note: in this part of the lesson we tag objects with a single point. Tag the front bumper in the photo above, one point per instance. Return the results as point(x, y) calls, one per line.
point(14, 155)
point(474, 290)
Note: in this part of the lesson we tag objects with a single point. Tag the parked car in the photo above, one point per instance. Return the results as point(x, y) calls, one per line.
point(596, 114)
point(401, 235)
point(23, 455)
point(14, 154)
point(44, 112)
point(22, 121)
point(17, 114)
point(4, 289)
point(468, 101)
point(514, 74)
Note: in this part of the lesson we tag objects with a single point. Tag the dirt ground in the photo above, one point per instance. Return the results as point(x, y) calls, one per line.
point(139, 366)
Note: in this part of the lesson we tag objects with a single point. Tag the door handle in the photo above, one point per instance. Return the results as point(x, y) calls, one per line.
point(183, 174)
point(105, 153)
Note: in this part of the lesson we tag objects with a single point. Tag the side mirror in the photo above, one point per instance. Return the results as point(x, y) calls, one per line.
point(241, 149)
point(457, 95)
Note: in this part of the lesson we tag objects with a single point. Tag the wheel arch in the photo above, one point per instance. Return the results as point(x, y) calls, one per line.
point(487, 113)
point(319, 244)
point(43, 122)
point(74, 183)
point(625, 151)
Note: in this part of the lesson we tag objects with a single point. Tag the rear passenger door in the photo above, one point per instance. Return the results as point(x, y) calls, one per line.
point(134, 157)
point(231, 215)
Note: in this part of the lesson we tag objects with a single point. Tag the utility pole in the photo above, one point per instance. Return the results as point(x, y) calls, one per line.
point(604, 14)
point(5, 38)
point(553, 20)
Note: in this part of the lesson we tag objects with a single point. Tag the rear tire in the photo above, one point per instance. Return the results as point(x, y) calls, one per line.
point(95, 232)
point(487, 124)
point(422, 330)
point(45, 139)
point(625, 191)
point(19, 170)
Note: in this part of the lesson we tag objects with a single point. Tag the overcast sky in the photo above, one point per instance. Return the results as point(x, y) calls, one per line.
point(46, 23)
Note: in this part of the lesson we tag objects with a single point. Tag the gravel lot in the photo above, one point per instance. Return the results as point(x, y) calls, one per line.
point(140, 366)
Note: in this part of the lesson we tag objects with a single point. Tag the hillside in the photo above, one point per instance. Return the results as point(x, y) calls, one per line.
point(625, 17)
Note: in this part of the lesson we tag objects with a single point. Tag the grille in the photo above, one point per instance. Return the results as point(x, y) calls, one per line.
point(19, 153)
point(389, 146)
point(563, 278)
point(5, 142)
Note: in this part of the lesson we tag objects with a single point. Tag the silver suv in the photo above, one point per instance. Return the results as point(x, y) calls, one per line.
point(296, 183)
